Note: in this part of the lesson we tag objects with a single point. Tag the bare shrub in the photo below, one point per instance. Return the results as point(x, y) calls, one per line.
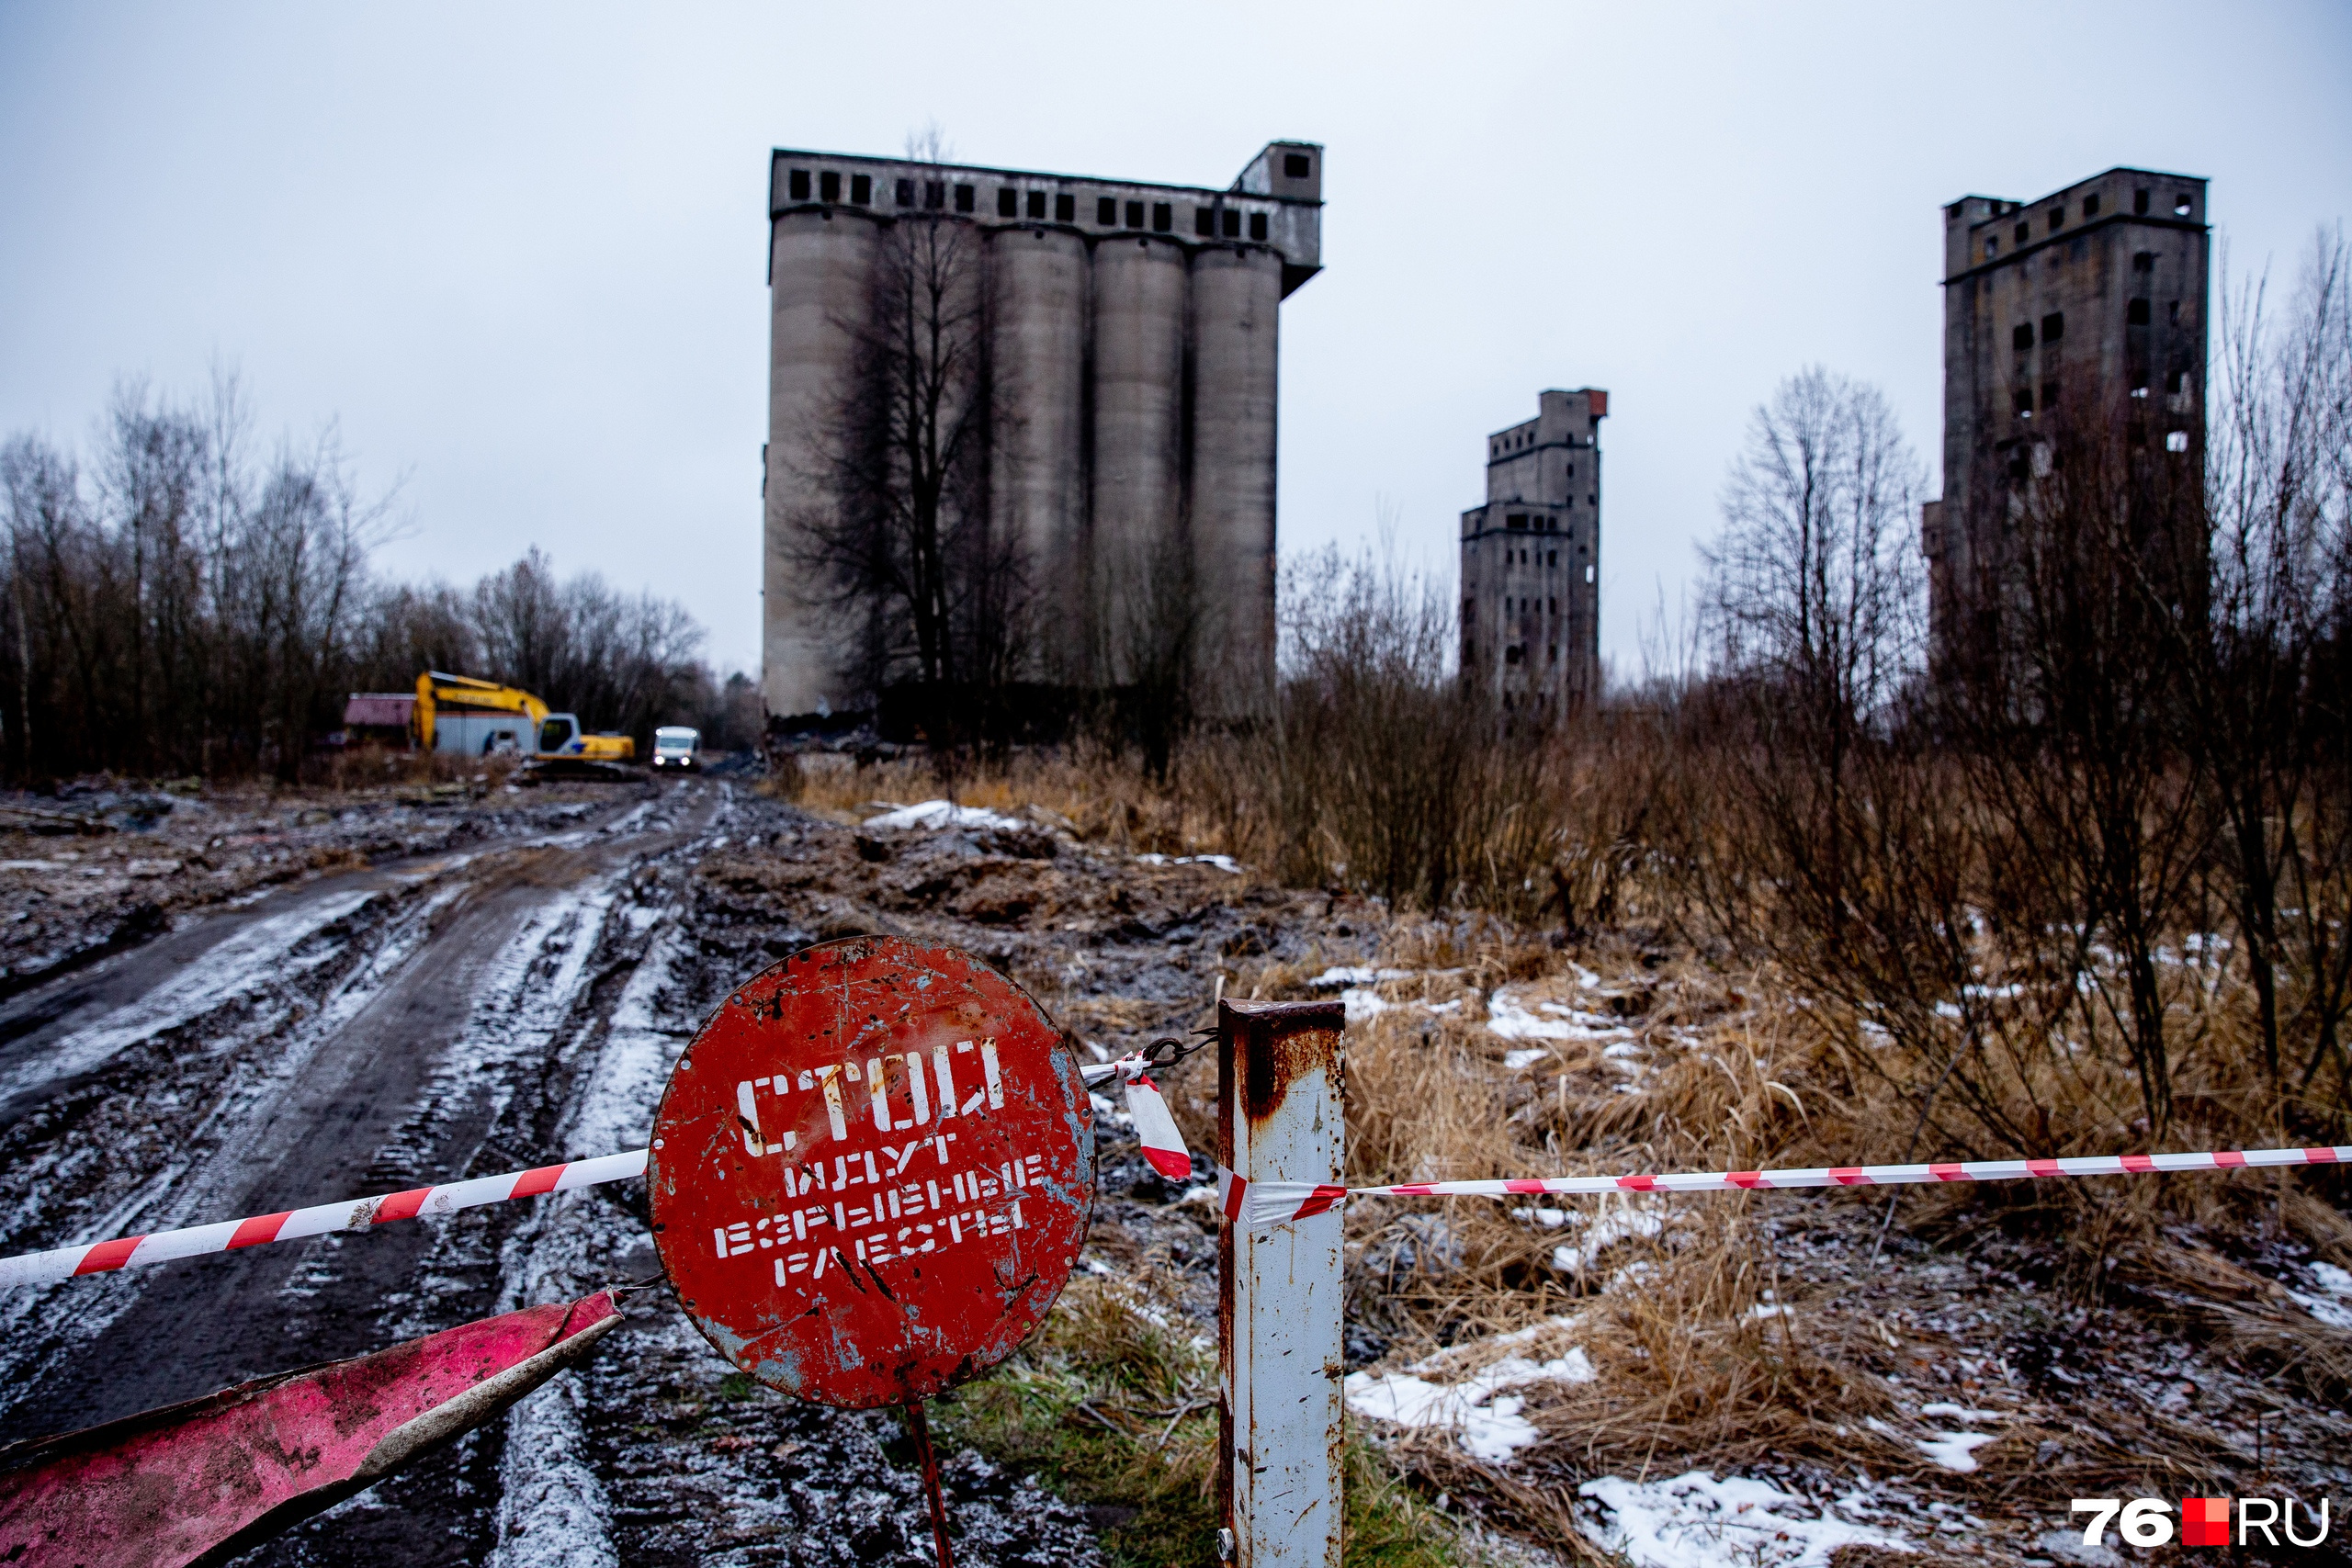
point(1379, 771)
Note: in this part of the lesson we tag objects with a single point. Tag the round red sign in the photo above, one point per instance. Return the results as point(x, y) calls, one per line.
point(871, 1172)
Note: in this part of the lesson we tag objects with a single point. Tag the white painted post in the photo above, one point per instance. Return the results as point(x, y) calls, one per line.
point(1280, 1119)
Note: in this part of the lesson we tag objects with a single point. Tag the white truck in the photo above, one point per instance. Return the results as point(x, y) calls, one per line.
point(674, 749)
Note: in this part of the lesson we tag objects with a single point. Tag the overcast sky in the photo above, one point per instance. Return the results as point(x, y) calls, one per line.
point(518, 254)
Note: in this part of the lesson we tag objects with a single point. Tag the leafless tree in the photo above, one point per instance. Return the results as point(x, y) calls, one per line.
point(1815, 597)
point(178, 604)
point(2270, 715)
point(903, 547)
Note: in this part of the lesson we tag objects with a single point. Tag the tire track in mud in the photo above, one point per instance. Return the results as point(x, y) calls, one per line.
point(296, 1086)
point(649, 1454)
point(138, 1147)
point(536, 1018)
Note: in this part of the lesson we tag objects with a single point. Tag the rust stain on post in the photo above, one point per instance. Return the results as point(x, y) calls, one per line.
point(1278, 1119)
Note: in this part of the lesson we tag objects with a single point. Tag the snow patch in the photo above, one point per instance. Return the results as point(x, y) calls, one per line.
point(1487, 1422)
point(1618, 1221)
point(932, 815)
point(1361, 1004)
point(2334, 1307)
point(1356, 974)
point(1223, 863)
point(1510, 1018)
point(1955, 1451)
point(1959, 1412)
point(551, 1508)
point(1697, 1521)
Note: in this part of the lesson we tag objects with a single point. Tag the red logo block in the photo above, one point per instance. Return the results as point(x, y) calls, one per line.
point(2204, 1521)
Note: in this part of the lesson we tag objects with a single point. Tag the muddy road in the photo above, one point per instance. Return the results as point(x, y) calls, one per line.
point(507, 1003)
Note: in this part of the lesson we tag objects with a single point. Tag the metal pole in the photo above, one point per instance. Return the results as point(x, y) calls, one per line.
point(1280, 1119)
point(920, 1429)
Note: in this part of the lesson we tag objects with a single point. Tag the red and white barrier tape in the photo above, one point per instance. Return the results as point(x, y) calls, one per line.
point(353, 1214)
point(1254, 1204)
point(1163, 1145)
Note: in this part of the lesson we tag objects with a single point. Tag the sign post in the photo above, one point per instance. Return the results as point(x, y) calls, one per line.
point(871, 1175)
point(1280, 1118)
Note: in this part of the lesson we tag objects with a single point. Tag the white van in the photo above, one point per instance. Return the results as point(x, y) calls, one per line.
point(674, 747)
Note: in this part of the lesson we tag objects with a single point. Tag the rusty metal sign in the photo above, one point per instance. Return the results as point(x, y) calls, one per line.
point(871, 1172)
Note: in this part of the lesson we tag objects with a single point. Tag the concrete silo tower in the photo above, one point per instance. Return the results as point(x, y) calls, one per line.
point(1129, 334)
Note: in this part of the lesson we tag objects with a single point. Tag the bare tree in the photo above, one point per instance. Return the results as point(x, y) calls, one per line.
point(178, 604)
point(2270, 715)
point(905, 548)
point(1816, 597)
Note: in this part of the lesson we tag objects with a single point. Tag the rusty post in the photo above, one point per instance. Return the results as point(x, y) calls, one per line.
point(919, 1428)
point(1280, 1119)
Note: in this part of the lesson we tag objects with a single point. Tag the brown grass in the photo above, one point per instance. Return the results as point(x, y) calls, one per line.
point(1733, 1064)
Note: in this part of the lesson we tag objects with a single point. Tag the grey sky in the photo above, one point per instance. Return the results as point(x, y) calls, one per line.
point(519, 253)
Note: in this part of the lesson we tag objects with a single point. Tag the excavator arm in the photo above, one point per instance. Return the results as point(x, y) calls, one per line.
point(462, 693)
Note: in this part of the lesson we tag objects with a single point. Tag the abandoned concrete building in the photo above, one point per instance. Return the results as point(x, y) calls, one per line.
point(1130, 331)
point(1531, 561)
point(2082, 312)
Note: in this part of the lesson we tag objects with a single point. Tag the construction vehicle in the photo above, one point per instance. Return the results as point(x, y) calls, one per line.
point(480, 718)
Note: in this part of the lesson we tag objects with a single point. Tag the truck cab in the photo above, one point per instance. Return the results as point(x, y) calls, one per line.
point(560, 735)
point(675, 747)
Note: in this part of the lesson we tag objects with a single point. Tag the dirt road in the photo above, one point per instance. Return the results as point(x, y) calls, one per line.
point(437, 1017)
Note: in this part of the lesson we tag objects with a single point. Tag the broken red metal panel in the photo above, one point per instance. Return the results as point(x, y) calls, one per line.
point(207, 1479)
point(1280, 1118)
point(872, 1172)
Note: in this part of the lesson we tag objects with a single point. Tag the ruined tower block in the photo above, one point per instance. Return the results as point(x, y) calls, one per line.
point(2083, 311)
point(1531, 561)
point(1131, 335)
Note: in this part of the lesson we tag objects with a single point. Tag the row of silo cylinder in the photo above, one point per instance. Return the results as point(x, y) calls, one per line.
point(1132, 457)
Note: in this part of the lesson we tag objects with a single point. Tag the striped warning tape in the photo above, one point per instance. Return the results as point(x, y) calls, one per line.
point(1256, 1204)
point(1163, 1145)
point(353, 1214)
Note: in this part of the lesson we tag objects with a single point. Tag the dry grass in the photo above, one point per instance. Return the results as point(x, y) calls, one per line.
point(1097, 796)
point(1710, 1346)
point(1707, 1350)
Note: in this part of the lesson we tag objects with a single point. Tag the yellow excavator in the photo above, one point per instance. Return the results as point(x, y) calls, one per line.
point(477, 719)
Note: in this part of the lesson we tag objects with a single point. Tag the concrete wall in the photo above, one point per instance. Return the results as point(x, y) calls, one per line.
point(1140, 467)
point(1042, 314)
point(1134, 348)
point(819, 268)
point(1236, 295)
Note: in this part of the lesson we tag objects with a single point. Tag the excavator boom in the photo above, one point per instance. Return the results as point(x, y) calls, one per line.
point(460, 714)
